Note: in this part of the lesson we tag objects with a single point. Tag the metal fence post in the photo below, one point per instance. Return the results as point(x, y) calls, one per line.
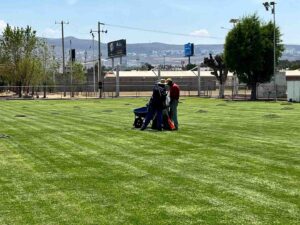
point(118, 81)
point(199, 80)
point(159, 74)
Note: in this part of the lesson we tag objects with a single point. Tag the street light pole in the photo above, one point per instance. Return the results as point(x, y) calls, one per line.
point(235, 88)
point(274, 62)
point(271, 5)
point(99, 55)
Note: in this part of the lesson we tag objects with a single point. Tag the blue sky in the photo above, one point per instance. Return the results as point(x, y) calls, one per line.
point(202, 19)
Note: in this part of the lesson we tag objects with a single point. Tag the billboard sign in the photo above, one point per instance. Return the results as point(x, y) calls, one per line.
point(72, 55)
point(116, 48)
point(189, 50)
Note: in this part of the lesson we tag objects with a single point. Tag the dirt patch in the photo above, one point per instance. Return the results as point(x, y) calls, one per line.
point(287, 108)
point(20, 116)
point(202, 111)
point(271, 116)
point(3, 136)
point(287, 103)
point(107, 111)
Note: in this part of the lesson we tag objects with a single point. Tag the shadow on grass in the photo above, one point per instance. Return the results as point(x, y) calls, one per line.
point(287, 108)
point(272, 116)
point(202, 111)
point(20, 116)
point(4, 136)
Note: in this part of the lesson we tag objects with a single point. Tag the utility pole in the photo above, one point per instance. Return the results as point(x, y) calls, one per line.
point(53, 58)
point(99, 53)
point(71, 67)
point(94, 72)
point(99, 31)
point(62, 23)
point(85, 58)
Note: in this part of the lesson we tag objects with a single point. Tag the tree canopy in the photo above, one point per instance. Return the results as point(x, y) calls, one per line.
point(78, 73)
point(22, 56)
point(249, 51)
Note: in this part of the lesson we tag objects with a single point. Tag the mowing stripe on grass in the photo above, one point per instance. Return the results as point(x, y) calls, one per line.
point(80, 162)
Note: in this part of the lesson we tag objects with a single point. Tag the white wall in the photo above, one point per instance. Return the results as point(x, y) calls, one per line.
point(293, 90)
point(267, 90)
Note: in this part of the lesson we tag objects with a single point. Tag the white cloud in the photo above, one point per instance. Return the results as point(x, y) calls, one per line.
point(72, 2)
point(200, 33)
point(51, 33)
point(2, 25)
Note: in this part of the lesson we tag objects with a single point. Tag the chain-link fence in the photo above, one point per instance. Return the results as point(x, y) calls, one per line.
point(139, 89)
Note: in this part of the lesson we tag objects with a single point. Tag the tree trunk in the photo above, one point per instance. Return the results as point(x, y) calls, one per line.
point(253, 92)
point(45, 90)
point(222, 90)
point(20, 88)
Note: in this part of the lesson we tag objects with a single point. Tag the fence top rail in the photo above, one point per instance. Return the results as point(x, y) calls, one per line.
point(166, 74)
point(134, 84)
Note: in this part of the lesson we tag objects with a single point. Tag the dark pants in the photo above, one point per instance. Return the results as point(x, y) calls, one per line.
point(151, 112)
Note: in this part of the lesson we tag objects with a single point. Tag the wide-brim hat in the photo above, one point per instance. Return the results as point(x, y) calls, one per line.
point(162, 82)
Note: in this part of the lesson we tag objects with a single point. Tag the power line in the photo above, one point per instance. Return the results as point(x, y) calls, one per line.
point(159, 31)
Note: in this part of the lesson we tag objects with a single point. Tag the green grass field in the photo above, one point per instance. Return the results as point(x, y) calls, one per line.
point(80, 162)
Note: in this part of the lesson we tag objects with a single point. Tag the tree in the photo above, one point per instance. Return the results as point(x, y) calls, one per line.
point(19, 56)
point(249, 51)
point(31, 71)
point(78, 73)
point(290, 65)
point(147, 67)
point(191, 67)
point(220, 71)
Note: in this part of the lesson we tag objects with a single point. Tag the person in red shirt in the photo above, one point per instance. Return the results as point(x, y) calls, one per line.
point(174, 98)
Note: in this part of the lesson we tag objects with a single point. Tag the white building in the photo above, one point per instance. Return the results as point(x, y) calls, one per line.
point(293, 85)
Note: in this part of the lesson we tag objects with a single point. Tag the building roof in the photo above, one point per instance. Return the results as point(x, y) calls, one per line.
point(290, 74)
point(162, 74)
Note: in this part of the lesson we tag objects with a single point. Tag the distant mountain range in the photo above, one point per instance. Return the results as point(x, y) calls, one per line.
point(153, 53)
point(140, 48)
